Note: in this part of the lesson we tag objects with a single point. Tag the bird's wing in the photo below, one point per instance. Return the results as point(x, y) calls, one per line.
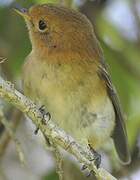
point(119, 135)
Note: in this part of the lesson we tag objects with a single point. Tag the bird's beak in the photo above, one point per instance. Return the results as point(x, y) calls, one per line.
point(22, 12)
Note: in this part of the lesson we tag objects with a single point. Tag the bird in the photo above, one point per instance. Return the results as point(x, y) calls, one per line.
point(67, 73)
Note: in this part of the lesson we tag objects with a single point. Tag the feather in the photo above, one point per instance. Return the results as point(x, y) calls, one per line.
point(119, 134)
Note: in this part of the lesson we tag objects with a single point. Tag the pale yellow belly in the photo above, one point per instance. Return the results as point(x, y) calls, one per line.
point(74, 105)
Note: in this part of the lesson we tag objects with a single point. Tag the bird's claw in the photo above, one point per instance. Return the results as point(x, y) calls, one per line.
point(97, 162)
point(97, 157)
point(44, 113)
point(90, 173)
point(83, 167)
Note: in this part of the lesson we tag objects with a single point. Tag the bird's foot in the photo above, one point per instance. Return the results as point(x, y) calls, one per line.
point(88, 173)
point(97, 157)
point(91, 173)
point(44, 113)
point(84, 167)
point(97, 162)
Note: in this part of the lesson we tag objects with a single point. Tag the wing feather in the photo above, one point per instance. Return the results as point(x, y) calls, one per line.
point(119, 135)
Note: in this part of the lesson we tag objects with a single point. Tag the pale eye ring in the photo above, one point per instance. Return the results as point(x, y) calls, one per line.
point(42, 25)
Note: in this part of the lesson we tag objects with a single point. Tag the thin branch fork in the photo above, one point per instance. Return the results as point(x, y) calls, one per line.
point(49, 129)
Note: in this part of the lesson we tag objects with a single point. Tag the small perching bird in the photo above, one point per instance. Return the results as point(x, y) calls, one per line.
point(66, 72)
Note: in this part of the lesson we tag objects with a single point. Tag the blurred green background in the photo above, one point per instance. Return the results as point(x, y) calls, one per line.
point(117, 26)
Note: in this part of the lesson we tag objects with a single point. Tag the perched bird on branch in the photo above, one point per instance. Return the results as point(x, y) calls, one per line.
point(66, 72)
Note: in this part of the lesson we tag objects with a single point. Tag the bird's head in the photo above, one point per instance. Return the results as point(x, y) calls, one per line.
point(58, 28)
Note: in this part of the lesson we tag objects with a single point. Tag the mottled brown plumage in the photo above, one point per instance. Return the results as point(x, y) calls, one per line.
point(66, 72)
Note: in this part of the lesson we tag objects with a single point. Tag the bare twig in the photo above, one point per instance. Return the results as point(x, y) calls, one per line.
point(8, 127)
point(50, 130)
point(57, 156)
point(5, 137)
point(59, 161)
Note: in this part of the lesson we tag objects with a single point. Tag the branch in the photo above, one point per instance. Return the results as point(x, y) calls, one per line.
point(49, 129)
point(10, 131)
point(59, 161)
point(5, 138)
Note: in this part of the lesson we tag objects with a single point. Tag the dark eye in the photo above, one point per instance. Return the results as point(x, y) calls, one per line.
point(42, 25)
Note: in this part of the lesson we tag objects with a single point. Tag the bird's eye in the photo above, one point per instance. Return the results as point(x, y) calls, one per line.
point(42, 25)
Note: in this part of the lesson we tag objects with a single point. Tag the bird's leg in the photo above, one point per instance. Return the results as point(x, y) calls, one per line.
point(47, 141)
point(97, 157)
point(44, 113)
